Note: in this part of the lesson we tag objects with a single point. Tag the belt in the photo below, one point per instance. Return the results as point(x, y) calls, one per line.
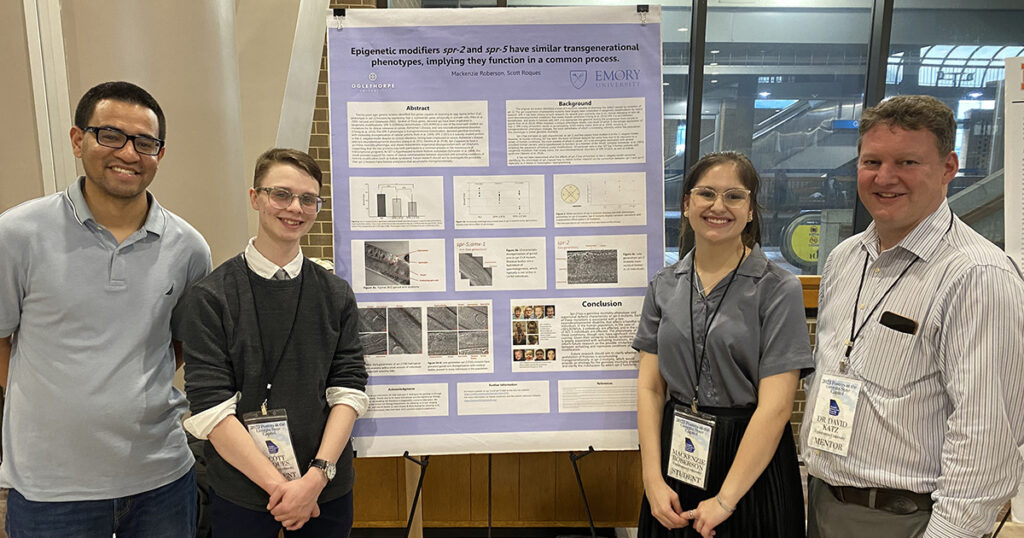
point(896, 501)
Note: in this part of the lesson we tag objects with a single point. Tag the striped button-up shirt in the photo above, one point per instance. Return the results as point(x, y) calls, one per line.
point(941, 411)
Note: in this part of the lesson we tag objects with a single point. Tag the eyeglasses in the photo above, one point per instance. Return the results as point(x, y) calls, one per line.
point(281, 198)
point(116, 138)
point(731, 197)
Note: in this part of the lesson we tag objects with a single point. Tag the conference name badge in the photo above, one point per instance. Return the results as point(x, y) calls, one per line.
point(271, 434)
point(834, 410)
point(691, 444)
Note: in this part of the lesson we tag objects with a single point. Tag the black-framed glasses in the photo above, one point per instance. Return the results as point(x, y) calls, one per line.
point(115, 138)
point(281, 198)
point(730, 197)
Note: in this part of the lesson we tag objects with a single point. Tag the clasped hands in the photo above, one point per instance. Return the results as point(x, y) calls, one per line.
point(665, 507)
point(293, 503)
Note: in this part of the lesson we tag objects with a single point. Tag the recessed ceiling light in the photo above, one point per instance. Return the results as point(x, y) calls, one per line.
point(764, 94)
point(715, 51)
point(683, 29)
point(714, 81)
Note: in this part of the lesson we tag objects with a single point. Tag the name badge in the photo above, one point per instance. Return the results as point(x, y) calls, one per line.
point(271, 434)
point(690, 449)
point(834, 410)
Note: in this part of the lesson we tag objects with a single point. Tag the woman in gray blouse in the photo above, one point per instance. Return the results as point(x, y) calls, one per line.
point(723, 342)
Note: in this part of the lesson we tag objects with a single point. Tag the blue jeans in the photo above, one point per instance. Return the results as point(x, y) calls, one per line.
point(165, 512)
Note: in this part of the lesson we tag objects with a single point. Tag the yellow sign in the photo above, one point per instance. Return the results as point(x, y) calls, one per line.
point(805, 242)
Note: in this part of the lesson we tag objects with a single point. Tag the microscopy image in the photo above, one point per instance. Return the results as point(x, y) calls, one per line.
point(374, 343)
point(373, 320)
point(405, 331)
point(442, 343)
point(592, 266)
point(473, 318)
point(387, 262)
point(473, 342)
point(472, 268)
point(441, 318)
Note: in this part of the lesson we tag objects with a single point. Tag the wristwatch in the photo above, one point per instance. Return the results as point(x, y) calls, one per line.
point(327, 467)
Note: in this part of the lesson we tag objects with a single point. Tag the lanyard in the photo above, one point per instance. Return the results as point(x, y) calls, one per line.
point(259, 338)
point(854, 332)
point(699, 363)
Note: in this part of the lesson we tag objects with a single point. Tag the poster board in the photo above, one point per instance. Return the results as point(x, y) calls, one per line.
point(497, 190)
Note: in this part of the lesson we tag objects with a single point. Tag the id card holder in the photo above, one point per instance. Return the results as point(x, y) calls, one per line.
point(834, 410)
point(270, 432)
point(690, 450)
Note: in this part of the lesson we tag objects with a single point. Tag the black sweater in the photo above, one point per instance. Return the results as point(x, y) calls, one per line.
point(223, 354)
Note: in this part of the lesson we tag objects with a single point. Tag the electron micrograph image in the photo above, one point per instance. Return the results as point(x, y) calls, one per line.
point(387, 263)
point(592, 266)
point(473, 318)
point(373, 320)
point(442, 343)
point(473, 342)
point(405, 331)
point(442, 318)
point(472, 268)
point(374, 343)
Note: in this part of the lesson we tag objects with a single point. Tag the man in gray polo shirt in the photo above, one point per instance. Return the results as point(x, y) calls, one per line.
point(92, 440)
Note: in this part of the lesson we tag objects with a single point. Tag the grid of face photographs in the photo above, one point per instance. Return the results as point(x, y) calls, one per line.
point(526, 340)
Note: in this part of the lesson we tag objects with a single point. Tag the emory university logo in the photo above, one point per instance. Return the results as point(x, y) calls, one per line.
point(578, 78)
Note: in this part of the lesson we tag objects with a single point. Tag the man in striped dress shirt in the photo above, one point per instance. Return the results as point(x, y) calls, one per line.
point(916, 409)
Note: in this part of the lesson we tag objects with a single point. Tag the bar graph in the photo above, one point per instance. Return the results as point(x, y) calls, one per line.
point(395, 200)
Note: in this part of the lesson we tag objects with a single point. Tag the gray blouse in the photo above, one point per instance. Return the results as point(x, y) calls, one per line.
point(760, 331)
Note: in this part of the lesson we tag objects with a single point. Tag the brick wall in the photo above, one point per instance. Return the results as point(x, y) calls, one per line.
point(319, 242)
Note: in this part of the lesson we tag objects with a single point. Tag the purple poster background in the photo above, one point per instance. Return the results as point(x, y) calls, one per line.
point(354, 77)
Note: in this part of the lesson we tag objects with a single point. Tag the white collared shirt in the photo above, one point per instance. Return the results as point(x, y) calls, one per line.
point(941, 411)
point(265, 268)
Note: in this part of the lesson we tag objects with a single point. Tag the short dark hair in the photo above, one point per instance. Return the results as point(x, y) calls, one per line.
point(912, 113)
point(294, 157)
point(125, 92)
point(748, 177)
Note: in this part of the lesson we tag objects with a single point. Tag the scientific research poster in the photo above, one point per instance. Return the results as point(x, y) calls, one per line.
point(498, 208)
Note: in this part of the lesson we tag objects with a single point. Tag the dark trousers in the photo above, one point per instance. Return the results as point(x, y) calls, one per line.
point(828, 517)
point(229, 520)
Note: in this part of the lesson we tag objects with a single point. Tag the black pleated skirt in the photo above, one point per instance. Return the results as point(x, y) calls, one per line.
point(774, 506)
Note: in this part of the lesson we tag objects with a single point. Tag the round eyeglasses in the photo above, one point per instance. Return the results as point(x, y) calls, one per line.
point(281, 198)
point(116, 138)
point(730, 197)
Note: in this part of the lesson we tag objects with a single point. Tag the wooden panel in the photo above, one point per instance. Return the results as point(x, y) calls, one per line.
point(810, 284)
point(567, 495)
point(446, 490)
point(478, 487)
point(537, 486)
point(598, 470)
point(631, 485)
point(376, 493)
point(505, 487)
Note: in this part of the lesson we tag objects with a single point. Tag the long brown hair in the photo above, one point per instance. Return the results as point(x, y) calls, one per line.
point(748, 177)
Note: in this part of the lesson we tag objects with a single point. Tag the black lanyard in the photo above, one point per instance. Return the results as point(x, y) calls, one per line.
point(699, 363)
point(269, 381)
point(854, 332)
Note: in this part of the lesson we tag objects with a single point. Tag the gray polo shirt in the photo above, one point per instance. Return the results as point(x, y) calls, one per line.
point(90, 409)
point(760, 331)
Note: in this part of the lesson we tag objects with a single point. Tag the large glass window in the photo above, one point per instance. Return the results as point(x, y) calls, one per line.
point(785, 86)
point(957, 55)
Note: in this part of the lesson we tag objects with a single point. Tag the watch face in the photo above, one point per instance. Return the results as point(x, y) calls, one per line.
point(330, 470)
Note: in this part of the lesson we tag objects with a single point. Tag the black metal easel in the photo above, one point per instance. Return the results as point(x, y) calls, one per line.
point(419, 488)
point(574, 457)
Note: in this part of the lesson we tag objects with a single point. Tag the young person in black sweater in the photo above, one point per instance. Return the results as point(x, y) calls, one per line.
point(272, 355)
